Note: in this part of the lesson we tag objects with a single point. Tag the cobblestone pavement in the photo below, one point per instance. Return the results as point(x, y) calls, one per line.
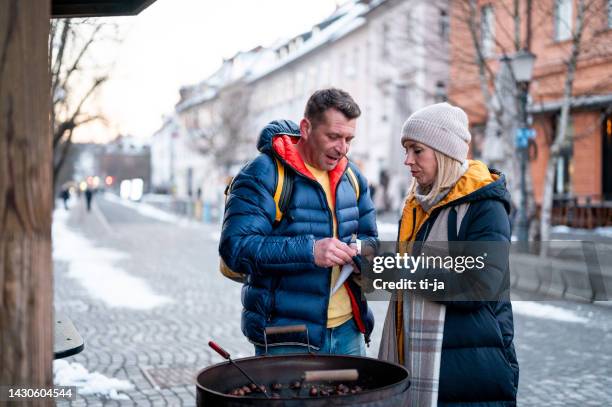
point(562, 363)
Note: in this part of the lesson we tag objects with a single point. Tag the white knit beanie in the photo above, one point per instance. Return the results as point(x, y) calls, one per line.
point(442, 127)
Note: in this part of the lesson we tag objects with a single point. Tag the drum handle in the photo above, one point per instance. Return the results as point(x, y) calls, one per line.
point(275, 330)
point(225, 355)
point(339, 375)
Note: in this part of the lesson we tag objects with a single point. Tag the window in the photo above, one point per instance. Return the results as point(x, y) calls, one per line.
point(385, 41)
point(440, 95)
point(487, 30)
point(563, 20)
point(609, 13)
point(299, 83)
point(352, 68)
point(325, 73)
point(444, 25)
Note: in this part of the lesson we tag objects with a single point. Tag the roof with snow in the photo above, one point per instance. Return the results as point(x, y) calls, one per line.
point(259, 62)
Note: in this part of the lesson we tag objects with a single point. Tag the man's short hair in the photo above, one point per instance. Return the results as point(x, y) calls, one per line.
point(331, 98)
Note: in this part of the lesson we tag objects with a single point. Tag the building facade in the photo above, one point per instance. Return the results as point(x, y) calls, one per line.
point(126, 158)
point(380, 51)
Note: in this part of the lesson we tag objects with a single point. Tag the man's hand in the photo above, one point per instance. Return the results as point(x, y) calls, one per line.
point(331, 252)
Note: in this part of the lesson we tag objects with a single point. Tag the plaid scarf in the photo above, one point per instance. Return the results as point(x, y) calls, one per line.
point(414, 329)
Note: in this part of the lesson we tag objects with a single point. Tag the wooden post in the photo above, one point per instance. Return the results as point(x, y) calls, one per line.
point(26, 289)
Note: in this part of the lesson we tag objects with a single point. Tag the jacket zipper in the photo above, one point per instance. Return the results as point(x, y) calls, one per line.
point(335, 192)
point(331, 220)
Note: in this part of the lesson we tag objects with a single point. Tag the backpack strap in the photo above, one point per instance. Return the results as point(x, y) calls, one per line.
point(283, 190)
point(353, 180)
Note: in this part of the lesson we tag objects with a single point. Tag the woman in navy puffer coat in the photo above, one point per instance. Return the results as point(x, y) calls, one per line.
point(459, 350)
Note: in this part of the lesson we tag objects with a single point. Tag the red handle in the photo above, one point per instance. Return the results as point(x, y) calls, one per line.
point(219, 350)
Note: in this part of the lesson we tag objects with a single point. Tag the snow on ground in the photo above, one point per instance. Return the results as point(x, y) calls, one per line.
point(94, 268)
point(74, 374)
point(545, 311)
point(143, 209)
point(602, 231)
point(152, 212)
point(387, 229)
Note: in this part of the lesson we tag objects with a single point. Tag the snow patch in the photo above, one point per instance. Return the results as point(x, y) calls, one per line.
point(387, 228)
point(605, 231)
point(152, 212)
point(545, 311)
point(560, 229)
point(93, 267)
point(74, 374)
point(144, 209)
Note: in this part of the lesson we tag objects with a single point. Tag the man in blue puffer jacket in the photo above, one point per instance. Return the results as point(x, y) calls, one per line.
point(292, 264)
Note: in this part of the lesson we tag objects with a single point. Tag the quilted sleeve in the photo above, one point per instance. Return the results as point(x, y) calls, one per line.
point(247, 244)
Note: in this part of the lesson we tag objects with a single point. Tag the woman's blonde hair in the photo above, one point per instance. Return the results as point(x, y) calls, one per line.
point(449, 172)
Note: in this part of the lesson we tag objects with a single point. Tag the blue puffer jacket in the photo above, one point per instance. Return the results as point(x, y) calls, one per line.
point(284, 286)
point(478, 362)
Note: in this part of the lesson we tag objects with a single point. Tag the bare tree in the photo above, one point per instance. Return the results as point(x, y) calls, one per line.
point(226, 135)
point(500, 95)
point(586, 10)
point(75, 78)
point(515, 18)
point(412, 32)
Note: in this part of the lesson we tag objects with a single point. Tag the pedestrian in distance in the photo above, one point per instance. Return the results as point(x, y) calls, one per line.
point(88, 198)
point(65, 195)
point(293, 259)
point(459, 353)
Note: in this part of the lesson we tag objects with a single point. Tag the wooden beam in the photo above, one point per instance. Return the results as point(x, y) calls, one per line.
point(97, 8)
point(26, 290)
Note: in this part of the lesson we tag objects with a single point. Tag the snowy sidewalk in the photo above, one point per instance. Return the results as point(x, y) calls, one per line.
point(146, 297)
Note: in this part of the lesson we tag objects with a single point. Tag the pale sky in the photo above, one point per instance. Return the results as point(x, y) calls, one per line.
point(179, 42)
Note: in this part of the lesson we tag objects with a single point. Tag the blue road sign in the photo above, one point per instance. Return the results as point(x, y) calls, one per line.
point(523, 135)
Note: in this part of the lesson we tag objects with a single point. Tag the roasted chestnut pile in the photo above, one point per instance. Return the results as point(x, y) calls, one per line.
point(247, 390)
point(295, 389)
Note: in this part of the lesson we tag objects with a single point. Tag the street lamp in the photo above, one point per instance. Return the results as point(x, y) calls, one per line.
point(522, 68)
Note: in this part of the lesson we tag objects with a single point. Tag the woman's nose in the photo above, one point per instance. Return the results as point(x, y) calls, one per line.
point(409, 159)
